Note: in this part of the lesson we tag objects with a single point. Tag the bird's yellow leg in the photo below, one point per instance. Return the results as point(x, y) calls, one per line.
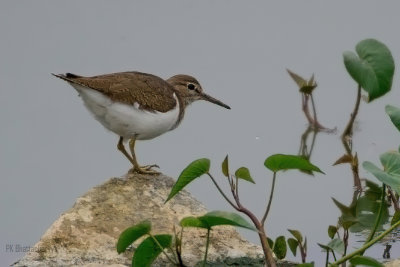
point(121, 148)
point(136, 166)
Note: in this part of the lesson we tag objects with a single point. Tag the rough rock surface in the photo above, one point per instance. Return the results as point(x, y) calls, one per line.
point(86, 234)
point(394, 263)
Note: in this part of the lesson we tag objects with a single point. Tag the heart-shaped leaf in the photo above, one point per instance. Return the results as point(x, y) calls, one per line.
point(280, 247)
point(324, 247)
point(365, 261)
point(280, 162)
point(244, 173)
point(131, 234)
point(391, 173)
point(394, 115)
point(214, 218)
point(332, 230)
point(293, 244)
point(225, 167)
point(372, 69)
point(149, 250)
point(336, 245)
point(348, 217)
point(194, 170)
point(193, 222)
point(297, 235)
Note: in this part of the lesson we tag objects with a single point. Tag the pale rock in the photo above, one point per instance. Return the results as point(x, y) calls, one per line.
point(86, 234)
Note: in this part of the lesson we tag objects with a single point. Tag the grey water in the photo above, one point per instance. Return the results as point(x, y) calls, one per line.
point(52, 150)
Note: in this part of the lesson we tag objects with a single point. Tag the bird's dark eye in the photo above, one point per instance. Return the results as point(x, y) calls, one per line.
point(191, 86)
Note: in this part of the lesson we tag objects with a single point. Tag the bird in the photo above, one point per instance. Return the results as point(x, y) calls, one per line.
point(138, 106)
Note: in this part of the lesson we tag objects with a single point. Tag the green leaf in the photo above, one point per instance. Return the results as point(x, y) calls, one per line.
point(195, 169)
point(372, 69)
point(293, 244)
point(225, 167)
point(193, 222)
point(332, 230)
point(280, 162)
point(348, 217)
point(131, 234)
point(391, 162)
point(149, 250)
point(396, 217)
point(297, 235)
point(300, 81)
point(308, 264)
point(367, 211)
point(280, 247)
point(394, 115)
point(373, 188)
point(244, 173)
point(324, 247)
point(270, 242)
point(305, 86)
point(391, 173)
point(305, 244)
point(214, 218)
point(336, 245)
point(365, 261)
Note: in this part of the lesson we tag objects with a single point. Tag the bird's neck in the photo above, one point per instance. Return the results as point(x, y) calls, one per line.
point(182, 106)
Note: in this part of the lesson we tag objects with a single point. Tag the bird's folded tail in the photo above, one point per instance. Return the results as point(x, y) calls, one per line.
point(69, 77)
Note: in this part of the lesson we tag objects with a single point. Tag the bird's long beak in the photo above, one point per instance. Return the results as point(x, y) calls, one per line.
point(211, 99)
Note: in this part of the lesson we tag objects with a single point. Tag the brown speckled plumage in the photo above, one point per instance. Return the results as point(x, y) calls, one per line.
point(149, 91)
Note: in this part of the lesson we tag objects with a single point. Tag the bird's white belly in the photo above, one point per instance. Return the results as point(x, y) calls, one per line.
point(126, 120)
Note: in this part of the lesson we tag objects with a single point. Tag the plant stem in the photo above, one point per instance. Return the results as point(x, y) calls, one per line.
point(303, 250)
point(353, 164)
point(207, 245)
point(327, 258)
point(316, 124)
point(222, 192)
point(178, 247)
point(237, 188)
point(306, 111)
point(269, 258)
point(345, 240)
point(394, 200)
point(349, 128)
point(334, 255)
point(367, 245)
point(315, 132)
point(379, 217)
point(269, 201)
point(162, 249)
point(348, 131)
point(314, 112)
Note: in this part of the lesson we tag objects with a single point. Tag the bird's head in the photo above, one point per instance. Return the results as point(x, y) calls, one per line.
point(190, 90)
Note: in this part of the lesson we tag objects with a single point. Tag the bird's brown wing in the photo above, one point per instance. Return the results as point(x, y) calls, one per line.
point(149, 91)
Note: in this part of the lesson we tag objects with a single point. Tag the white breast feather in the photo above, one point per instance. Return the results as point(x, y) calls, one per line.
point(127, 120)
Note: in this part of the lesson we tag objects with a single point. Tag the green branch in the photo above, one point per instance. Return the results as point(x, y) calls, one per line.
point(367, 245)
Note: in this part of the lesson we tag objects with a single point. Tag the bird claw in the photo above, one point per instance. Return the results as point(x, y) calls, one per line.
point(145, 169)
point(148, 167)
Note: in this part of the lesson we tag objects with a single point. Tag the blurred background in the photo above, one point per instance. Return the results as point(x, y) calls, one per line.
point(52, 150)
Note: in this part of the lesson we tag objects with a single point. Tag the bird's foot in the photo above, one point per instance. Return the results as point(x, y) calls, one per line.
point(145, 169)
